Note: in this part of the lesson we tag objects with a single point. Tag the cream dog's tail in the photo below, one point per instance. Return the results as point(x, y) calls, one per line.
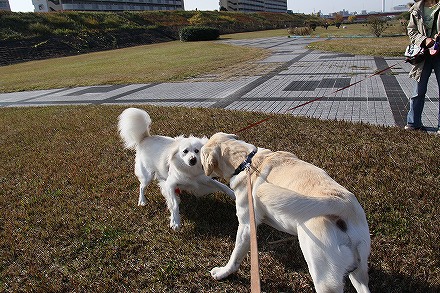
point(303, 207)
point(134, 126)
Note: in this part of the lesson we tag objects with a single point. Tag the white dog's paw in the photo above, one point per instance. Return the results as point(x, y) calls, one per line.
point(175, 225)
point(219, 273)
point(142, 201)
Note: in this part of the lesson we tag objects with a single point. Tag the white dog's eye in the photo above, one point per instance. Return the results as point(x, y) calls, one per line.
point(196, 151)
point(185, 151)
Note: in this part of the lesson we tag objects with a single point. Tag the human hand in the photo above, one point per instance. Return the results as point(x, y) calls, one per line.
point(429, 42)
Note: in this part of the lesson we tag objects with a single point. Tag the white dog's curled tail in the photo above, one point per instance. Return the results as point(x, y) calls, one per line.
point(134, 126)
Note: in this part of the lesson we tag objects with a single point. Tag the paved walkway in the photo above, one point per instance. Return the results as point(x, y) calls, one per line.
point(302, 76)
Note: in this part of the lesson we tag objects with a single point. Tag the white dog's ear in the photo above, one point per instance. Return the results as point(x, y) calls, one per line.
point(172, 153)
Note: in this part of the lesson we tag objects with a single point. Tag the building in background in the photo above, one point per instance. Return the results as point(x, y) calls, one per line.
point(106, 5)
point(4, 5)
point(402, 7)
point(254, 5)
point(46, 6)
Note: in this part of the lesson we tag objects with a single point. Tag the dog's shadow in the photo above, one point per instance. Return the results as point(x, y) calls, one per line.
point(215, 216)
point(212, 215)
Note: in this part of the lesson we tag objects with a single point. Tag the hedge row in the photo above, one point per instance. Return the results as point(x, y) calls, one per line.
point(34, 36)
point(15, 26)
point(198, 33)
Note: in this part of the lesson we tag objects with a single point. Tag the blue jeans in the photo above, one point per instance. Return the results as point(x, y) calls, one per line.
point(417, 101)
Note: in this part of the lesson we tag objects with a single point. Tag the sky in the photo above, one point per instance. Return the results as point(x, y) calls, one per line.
point(297, 6)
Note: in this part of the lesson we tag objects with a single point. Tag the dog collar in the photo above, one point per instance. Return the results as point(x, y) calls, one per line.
point(246, 163)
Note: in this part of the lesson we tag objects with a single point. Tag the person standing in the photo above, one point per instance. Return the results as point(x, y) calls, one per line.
point(423, 30)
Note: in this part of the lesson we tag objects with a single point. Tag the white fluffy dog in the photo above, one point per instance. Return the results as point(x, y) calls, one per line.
point(174, 162)
point(299, 198)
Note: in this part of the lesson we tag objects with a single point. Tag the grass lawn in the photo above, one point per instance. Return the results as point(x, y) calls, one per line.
point(358, 30)
point(358, 39)
point(163, 62)
point(256, 35)
point(175, 61)
point(69, 220)
point(386, 46)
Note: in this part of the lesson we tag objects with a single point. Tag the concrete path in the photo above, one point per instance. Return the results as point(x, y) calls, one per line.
point(301, 75)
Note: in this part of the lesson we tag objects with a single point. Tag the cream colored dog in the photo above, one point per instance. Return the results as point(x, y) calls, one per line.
point(298, 198)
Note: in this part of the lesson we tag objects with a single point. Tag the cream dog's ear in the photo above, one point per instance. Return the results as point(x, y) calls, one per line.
point(232, 136)
point(221, 136)
point(209, 159)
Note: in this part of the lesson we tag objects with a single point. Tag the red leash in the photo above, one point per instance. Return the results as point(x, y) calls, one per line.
point(255, 266)
point(319, 98)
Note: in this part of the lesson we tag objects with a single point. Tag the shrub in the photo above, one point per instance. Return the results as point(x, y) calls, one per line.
point(14, 21)
point(227, 18)
point(39, 28)
point(377, 25)
point(9, 34)
point(198, 33)
point(311, 24)
point(90, 21)
point(197, 19)
point(63, 32)
point(58, 20)
point(112, 20)
point(300, 31)
point(339, 19)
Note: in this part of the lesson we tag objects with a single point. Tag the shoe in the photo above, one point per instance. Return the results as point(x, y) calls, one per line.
point(412, 128)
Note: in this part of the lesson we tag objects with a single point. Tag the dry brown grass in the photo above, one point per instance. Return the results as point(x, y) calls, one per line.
point(358, 39)
point(69, 220)
point(172, 61)
point(386, 46)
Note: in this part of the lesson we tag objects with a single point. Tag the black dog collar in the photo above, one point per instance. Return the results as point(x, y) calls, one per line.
point(245, 164)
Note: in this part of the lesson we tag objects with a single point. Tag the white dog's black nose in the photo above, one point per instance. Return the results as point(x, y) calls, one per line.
point(193, 161)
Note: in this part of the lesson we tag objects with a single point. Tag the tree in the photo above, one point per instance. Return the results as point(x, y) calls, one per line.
point(351, 18)
point(404, 15)
point(198, 19)
point(338, 19)
point(311, 24)
point(377, 25)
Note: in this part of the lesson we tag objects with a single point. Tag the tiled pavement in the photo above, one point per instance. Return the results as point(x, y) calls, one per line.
point(302, 76)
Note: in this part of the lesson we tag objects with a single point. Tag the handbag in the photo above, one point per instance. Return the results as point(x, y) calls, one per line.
point(415, 54)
